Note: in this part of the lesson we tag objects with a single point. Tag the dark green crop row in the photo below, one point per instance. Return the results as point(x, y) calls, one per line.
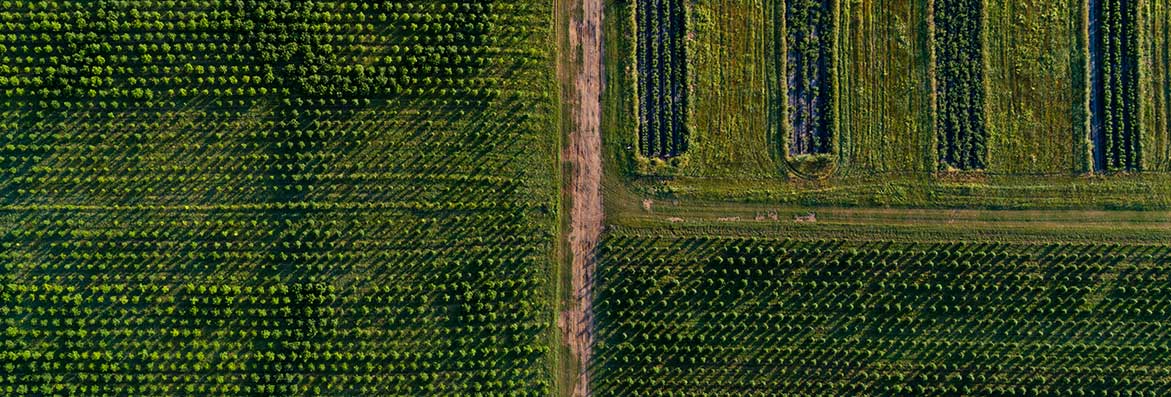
point(662, 77)
point(809, 38)
point(1114, 101)
point(959, 83)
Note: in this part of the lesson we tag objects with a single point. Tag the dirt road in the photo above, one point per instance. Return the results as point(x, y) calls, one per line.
point(585, 155)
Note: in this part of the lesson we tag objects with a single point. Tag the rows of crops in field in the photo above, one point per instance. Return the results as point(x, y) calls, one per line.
point(707, 316)
point(959, 83)
point(1114, 101)
point(995, 85)
point(809, 39)
point(662, 81)
point(276, 197)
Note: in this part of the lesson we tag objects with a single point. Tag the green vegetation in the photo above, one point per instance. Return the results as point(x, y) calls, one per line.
point(686, 312)
point(958, 50)
point(662, 71)
point(364, 198)
point(809, 27)
point(885, 118)
point(277, 198)
point(1037, 151)
point(1155, 85)
point(1114, 53)
point(728, 100)
point(878, 270)
point(1036, 115)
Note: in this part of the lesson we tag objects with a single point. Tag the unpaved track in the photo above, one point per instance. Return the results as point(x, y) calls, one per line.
point(585, 156)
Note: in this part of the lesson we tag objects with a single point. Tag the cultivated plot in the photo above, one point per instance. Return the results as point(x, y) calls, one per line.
point(342, 198)
point(1114, 71)
point(662, 73)
point(961, 132)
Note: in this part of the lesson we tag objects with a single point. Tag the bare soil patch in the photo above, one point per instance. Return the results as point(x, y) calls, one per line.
point(586, 214)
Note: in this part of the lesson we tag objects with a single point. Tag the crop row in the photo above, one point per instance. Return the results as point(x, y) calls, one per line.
point(662, 77)
point(1114, 99)
point(809, 27)
point(959, 83)
point(707, 316)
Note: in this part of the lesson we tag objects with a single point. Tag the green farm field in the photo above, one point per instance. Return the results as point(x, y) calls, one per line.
point(1037, 108)
point(278, 198)
point(728, 89)
point(1035, 87)
point(695, 311)
point(494, 198)
point(1029, 261)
